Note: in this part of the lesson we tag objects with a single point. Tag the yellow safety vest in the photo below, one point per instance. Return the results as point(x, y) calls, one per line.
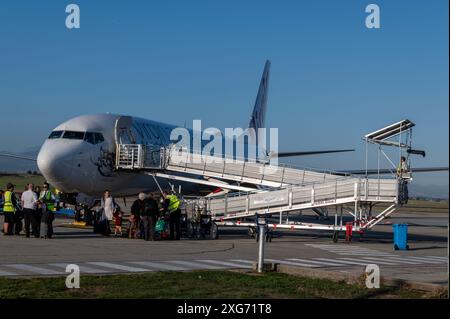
point(48, 201)
point(8, 205)
point(174, 203)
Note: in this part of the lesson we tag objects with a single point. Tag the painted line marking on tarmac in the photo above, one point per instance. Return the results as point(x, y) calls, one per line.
point(323, 263)
point(438, 258)
point(287, 262)
point(83, 268)
point(225, 263)
point(7, 273)
point(245, 261)
point(194, 265)
point(428, 260)
point(34, 269)
point(117, 266)
point(403, 261)
point(381, 261)
point(371, 261)
point(344, 262)
point(157, 265)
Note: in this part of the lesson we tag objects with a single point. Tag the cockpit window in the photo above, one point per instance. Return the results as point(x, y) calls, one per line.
point(72, 135)
point(89, 137)
point(98, 138)
point(55, 134)
point(93, 138)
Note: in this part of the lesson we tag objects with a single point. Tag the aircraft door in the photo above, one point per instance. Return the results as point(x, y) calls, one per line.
point(123, 132)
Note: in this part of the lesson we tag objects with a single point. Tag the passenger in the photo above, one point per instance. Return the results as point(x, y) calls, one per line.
point(402, 168)
point(171, 205)
point(18, 217)
point(47, 200)
point(149, 216)
point(118, 223)
point(38, 215)
point(9, 209)
point(136, 212)
point(29, 202)
point(109, 206)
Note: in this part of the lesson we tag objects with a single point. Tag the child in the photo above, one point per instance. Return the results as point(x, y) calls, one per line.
point(118, 223)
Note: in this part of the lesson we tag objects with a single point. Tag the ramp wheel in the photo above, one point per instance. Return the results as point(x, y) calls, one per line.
point(190, 230)
point(251, 232)
point(335, 236)
point(214, 231)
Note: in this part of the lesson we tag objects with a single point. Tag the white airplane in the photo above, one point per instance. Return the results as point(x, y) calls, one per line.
point(79, 155)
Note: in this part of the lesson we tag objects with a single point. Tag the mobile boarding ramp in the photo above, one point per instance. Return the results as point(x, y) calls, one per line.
point(280, 189)
point(350, 195)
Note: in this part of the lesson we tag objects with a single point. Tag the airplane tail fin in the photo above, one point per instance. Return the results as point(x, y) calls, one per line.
point(259, 110)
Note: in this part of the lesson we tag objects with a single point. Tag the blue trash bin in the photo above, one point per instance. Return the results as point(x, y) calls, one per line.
point(400, 236)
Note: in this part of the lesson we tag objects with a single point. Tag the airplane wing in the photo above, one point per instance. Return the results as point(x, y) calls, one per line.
point(11, 155)
point(304, 153)
point(392, 171)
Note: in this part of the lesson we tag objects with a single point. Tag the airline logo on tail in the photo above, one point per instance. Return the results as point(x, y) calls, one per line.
point(259, 111)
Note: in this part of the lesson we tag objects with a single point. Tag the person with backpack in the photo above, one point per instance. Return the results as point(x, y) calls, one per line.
point(137, 209)
point(148, 217)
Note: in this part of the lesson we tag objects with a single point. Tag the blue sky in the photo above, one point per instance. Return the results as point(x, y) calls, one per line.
point(332, 79)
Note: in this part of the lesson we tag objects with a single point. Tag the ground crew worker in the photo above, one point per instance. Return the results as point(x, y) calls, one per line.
point(402, 166)
point(48, 199)
point(9, 209)
point(172, 205)
point(403, 183)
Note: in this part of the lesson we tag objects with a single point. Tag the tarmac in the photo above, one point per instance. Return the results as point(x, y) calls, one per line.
point(425, 262)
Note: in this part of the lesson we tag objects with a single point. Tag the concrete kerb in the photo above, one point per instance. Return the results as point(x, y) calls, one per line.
point(354, 278)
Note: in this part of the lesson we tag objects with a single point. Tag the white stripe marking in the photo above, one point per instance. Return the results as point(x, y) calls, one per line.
point(428, 260)
point(439, 258)
point(369, 261)
point(83, 268)
point(381, 261)
point(402, 260)
point(38, 270)
point(7, 273)
point(287, 262)
point(225, 263)
point(243, 261)
point(344, 261)
point(194, 265)
point(158, 265)
point(117, 266)
point(323, 263)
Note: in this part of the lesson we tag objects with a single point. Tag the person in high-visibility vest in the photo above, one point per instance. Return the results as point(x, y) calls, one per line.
point(172, 206)
point(9, 209)
point(47, 200)
point(402, 167)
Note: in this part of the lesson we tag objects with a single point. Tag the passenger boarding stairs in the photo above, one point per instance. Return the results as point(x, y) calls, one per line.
point(142, 157)
point(289, 189)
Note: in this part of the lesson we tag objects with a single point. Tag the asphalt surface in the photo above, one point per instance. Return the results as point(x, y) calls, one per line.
point(426, 261)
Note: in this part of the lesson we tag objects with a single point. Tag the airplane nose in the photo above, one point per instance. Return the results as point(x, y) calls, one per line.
point(54, 162)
